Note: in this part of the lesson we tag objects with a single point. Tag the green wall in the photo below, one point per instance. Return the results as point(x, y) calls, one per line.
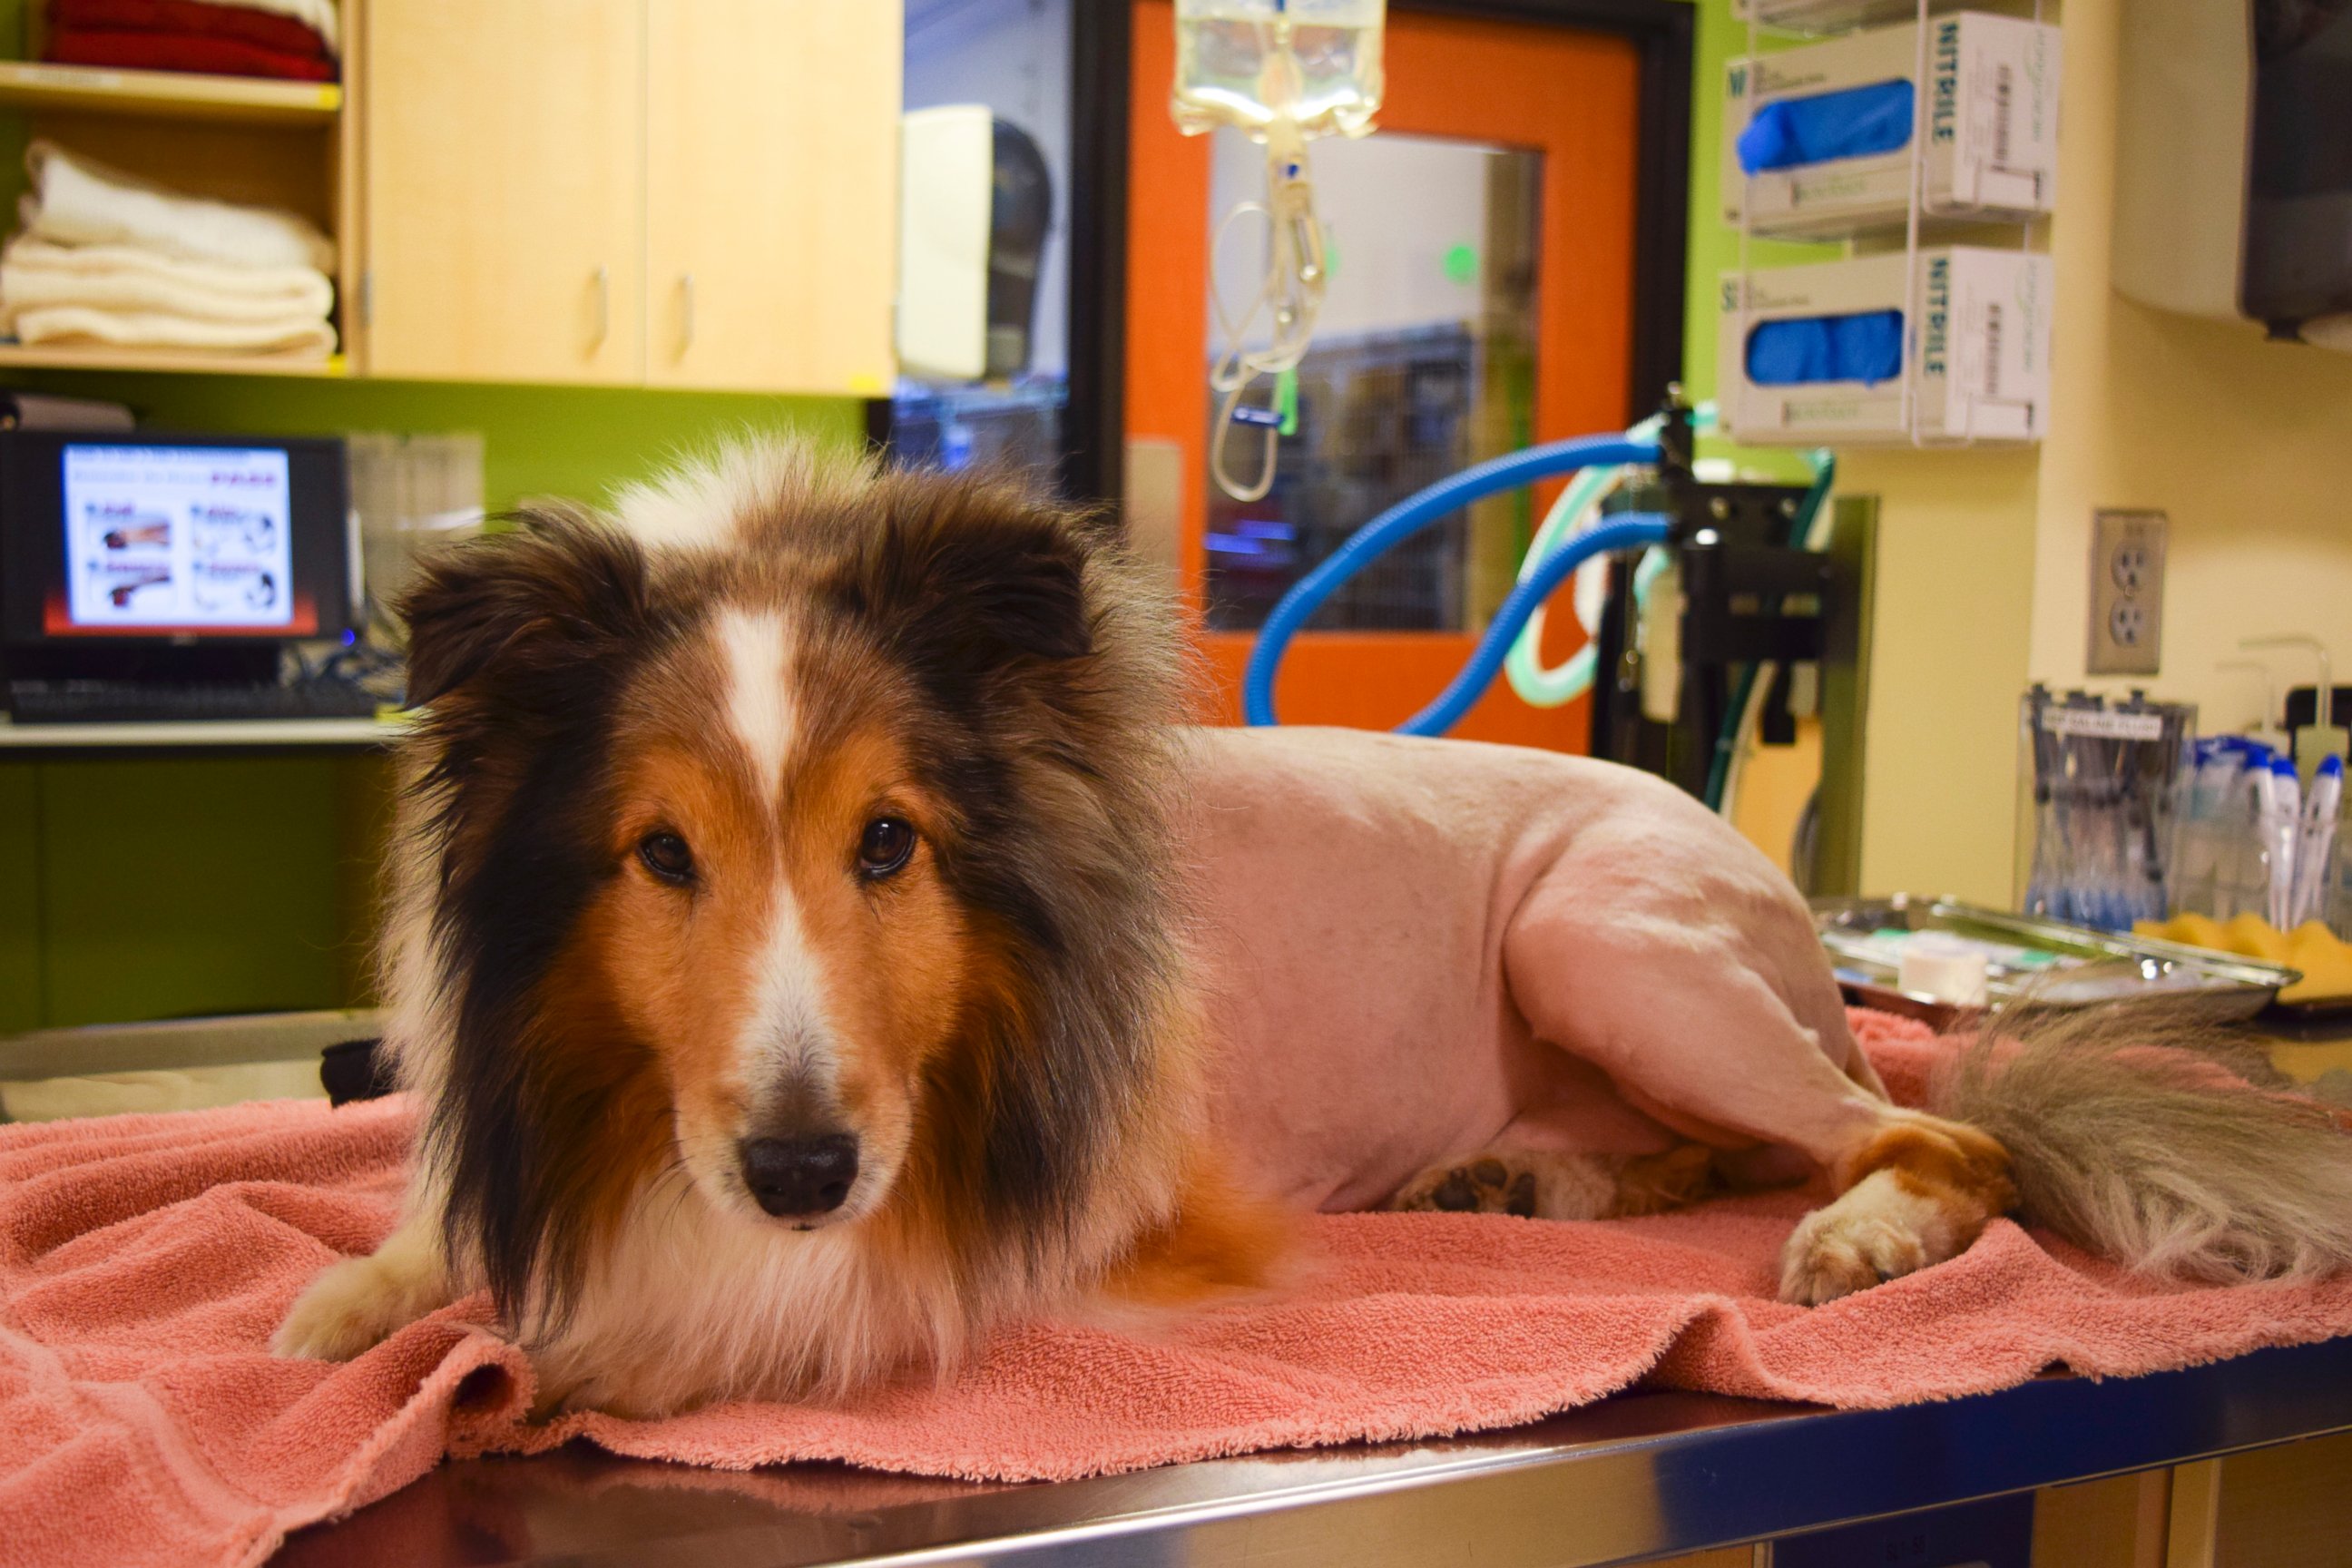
point(135, 888)
point(160, 888)
point(579, 442)
point(23, 992)
point(1713, 245)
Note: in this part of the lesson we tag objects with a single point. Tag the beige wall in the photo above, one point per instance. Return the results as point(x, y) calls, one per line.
point(1949, 657)
point(2247, 444)
point(1985, 555)
point(1984, 558)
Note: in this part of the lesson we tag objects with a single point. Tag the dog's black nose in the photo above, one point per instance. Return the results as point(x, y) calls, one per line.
point(800, 1175)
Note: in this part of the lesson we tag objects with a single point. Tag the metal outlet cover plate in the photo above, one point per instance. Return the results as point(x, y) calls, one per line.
point(2127, 625)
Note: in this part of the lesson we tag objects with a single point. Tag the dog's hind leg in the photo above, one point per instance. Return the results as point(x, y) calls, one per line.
point(1916, 1193)
point(1547, 1184)
point(1726, 1028)
point(1220, 1241)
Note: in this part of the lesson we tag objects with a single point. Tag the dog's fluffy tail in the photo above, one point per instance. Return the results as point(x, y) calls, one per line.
point(2159, 1144)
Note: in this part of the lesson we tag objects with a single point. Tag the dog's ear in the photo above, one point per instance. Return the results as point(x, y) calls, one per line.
point(558, 589)
point(1017, 587)
point(979, 577)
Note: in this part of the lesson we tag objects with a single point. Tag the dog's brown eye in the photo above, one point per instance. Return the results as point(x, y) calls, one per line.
point(667, 856)
point(885, 847)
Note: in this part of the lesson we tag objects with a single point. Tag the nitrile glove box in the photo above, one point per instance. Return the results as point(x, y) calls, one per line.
point(1819, 137)
point(1822, 353)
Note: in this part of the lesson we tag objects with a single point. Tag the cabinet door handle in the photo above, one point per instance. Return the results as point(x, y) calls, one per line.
point(685, 312)
point(603, 307)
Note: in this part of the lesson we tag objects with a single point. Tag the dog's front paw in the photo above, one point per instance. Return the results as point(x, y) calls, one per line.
point(572, 1378)
point(1482, 1185)
point(358, 1303)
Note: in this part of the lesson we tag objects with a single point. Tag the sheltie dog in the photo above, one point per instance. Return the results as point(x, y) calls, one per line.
point(813, 940)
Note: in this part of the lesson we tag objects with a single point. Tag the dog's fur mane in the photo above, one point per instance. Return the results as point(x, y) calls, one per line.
point(1028, 667)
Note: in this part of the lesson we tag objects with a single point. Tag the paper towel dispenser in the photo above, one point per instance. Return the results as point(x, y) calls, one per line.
point(976, 201)
point(2233, 167)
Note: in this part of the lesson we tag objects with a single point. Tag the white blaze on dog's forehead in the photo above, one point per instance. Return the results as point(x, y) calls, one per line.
point(688, 511)
point(703, 503)
point(757, 650)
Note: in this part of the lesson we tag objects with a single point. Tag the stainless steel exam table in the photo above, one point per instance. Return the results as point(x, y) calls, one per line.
point(1638, 1476)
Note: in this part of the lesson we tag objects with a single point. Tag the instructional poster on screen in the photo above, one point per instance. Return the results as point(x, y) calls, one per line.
point(194, 537)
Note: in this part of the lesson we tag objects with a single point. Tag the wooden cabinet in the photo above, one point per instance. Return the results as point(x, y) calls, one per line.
point(771, 193)
point(505, 188)
point(684, 193)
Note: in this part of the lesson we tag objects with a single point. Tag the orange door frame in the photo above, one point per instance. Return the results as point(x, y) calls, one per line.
point(1575, 95)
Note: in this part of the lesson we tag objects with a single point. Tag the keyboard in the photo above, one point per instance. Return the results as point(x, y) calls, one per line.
point(113, 703)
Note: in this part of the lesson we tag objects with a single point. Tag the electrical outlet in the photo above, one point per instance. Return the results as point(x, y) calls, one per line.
point(2126, 593)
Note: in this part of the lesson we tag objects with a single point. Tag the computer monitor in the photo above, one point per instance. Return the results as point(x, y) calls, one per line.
point(116, 545)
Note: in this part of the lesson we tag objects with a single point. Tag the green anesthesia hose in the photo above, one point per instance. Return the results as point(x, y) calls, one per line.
point(1579, 509)
point(1576, 511)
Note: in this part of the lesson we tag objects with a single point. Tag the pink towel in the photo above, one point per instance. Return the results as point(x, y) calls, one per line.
point(144, 1261)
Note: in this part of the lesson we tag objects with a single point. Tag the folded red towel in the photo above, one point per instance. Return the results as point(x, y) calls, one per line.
point(144, 1261)
point(204, 54)
point(267, 29)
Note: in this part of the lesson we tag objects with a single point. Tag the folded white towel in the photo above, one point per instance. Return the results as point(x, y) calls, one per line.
point(289, 283)
point(148, 329)
point(77, 201)
point(33, 274)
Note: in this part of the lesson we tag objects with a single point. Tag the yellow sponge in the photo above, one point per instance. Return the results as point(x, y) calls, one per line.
point(2325, 960)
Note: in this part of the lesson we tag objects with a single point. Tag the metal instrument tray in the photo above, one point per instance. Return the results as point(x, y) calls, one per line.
point(2060, 966)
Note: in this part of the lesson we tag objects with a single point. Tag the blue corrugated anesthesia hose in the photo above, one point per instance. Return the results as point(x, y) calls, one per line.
point(1417, 511)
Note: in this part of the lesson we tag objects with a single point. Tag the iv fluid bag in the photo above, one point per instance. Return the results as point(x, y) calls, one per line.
point(1248, 63)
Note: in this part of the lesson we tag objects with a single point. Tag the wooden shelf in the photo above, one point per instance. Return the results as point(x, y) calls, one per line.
point(168, 95)
point(98, 356)
point(200, 734)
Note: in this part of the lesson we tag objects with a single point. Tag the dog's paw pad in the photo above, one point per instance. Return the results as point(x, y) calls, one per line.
point(1484, 1185)
point(1519, 1198)
point(1458, 1193)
